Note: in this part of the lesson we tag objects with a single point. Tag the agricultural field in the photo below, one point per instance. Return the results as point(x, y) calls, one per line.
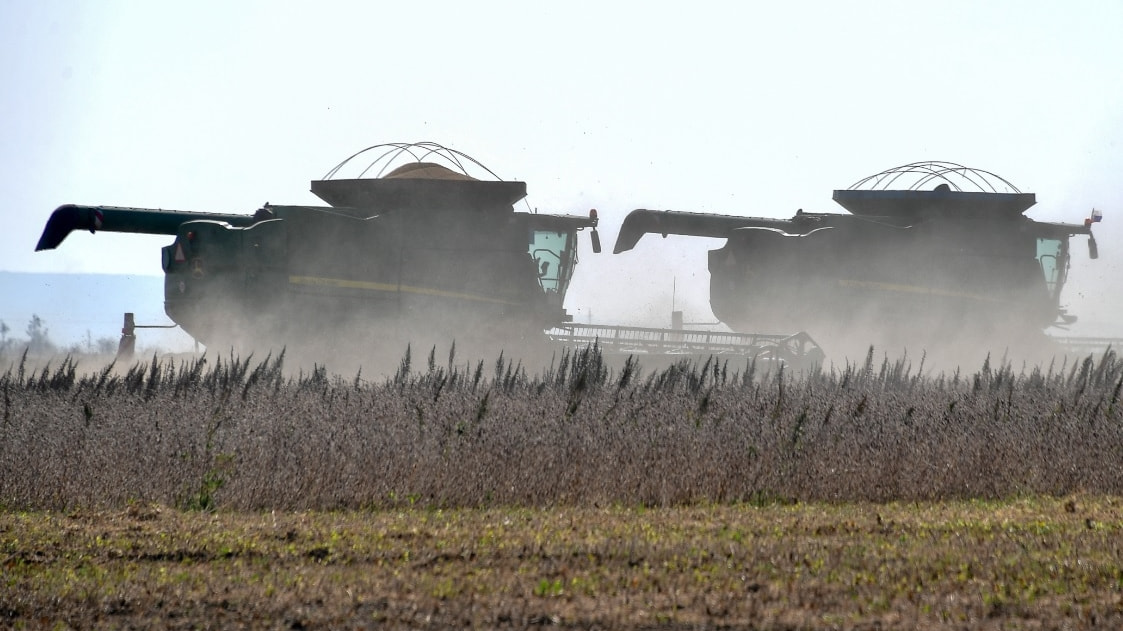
point(226, 492)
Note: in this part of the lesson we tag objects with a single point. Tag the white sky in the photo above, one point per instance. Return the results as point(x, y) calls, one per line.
point(738, 108)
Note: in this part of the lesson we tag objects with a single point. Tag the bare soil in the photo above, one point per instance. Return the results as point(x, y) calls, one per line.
point(1036, 563)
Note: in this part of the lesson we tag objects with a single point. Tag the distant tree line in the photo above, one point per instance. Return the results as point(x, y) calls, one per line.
point(38, 341)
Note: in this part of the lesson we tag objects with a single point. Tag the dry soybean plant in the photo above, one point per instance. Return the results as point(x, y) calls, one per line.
point(243, 434)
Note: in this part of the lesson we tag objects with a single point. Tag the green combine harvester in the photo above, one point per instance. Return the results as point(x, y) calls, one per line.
point(929, 255)
point(423, 254)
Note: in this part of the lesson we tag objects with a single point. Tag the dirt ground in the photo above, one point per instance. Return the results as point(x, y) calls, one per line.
point(1038, 563)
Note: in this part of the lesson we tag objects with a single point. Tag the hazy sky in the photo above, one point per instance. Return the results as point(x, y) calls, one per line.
point(738, 108)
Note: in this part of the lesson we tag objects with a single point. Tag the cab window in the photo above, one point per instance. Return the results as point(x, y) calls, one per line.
point(1049, 258)
point(552, 258)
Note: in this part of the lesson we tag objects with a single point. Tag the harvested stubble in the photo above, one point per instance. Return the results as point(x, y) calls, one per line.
point(1034, 564)
point(225, 433)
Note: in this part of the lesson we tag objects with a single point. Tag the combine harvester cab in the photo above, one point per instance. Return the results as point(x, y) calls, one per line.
point(920, 269)
point(420, 254)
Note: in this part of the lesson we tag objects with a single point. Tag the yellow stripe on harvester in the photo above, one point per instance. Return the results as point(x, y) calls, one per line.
point(317, 281)
point(914, 289)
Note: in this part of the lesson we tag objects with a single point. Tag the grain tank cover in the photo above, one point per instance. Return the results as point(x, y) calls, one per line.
point(924, 189)
point(942, 200)
point(421, 186)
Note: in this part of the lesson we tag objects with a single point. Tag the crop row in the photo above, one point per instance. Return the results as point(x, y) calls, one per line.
point(239, 434)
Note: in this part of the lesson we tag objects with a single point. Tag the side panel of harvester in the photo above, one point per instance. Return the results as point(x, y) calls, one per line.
point(389, 277)
point(880, 274)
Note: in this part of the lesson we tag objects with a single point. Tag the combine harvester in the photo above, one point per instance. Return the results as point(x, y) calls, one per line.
point(414, 250)
point(931, 257)
point(422, 253)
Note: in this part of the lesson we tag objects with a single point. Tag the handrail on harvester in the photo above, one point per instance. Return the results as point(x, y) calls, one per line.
point(1078, 345)
point(633, 340)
